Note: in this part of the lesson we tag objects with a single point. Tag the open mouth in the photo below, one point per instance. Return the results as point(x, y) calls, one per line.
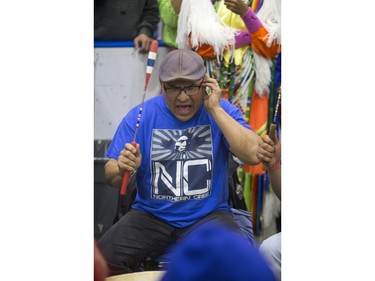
point(183, 109)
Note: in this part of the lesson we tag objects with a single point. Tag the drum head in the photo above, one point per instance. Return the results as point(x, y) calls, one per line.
point(138, 276)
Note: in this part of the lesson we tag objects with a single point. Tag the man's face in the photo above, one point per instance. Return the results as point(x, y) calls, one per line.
point(183, 104)
point(181, 144)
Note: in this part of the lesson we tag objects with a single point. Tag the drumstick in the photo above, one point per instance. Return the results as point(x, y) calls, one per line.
point(272, 131)
point(150, 66)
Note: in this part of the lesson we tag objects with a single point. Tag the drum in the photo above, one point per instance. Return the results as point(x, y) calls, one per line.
point(138, 276)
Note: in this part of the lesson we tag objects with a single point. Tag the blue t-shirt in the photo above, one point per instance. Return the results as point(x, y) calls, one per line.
point(184, 171)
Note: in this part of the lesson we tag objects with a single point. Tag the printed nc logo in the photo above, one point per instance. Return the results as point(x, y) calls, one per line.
point(189, 179)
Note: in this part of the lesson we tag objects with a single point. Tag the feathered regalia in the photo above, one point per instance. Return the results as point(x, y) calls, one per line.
point(249, 75)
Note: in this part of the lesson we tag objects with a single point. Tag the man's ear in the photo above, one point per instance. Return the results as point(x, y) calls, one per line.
point(162, 87)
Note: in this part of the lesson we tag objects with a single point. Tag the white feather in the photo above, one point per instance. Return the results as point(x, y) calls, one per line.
point(271, 209)
point(270, 16)
point(199, 18)
point(263, 74)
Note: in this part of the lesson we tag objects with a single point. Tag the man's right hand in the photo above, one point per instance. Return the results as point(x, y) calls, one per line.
point(130, 158)
point(142, 43)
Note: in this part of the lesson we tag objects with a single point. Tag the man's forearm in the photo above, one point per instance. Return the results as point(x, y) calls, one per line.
point(112, 173)
point(275, 178)
point(243, 142)
point(150, 19)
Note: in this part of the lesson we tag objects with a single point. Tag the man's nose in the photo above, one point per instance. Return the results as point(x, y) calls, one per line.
point(183, 96)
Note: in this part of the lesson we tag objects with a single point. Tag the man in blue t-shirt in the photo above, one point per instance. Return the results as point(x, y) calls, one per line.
point(181, 157)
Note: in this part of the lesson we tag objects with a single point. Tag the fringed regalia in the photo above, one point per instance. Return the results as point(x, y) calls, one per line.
point(249, 76)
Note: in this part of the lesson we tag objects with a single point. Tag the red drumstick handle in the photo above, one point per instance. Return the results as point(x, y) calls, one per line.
point(125, 179)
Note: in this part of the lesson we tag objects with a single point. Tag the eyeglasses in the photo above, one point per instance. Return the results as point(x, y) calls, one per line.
point(190, 90)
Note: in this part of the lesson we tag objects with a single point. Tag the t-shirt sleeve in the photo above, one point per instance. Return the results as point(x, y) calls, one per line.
point(124, 134)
